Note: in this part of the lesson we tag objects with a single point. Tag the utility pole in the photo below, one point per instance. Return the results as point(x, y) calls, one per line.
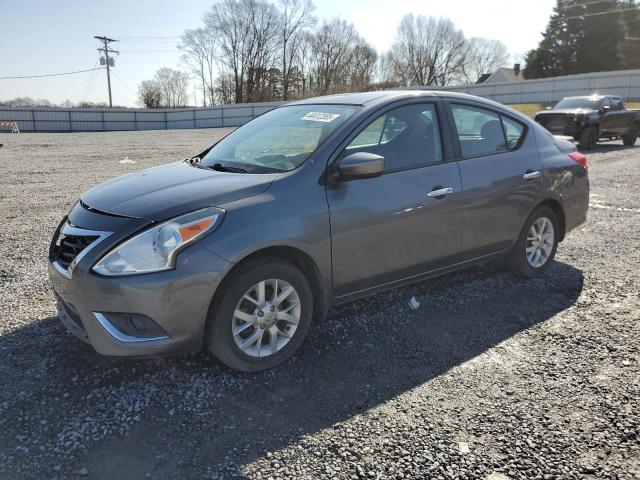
point(108, 61)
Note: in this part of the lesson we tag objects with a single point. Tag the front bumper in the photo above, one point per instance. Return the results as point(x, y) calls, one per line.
point(564, 125)
point(176, 300)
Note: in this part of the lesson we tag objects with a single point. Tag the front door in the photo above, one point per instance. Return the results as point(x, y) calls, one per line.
point(391, 227)
point(608, 119)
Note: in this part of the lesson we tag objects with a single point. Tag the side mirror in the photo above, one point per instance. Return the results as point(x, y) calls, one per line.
point(605, 109)
point(360, 165)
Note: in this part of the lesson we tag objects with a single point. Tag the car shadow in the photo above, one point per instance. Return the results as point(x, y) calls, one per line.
point(189, 416)
point(606, 147)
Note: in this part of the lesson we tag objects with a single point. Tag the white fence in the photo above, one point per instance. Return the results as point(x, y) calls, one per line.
point(625, 83)
point(118, 119)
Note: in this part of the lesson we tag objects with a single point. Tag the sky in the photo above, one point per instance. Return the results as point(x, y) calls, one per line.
point(52, 36)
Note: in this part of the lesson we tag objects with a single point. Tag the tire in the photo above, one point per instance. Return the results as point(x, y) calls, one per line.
point(589, 138)
point(519, 261)
point(230, 301)
point(630, 138)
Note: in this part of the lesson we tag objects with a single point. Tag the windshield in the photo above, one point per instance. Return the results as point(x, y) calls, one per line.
point(580, 102)
point(279, 140)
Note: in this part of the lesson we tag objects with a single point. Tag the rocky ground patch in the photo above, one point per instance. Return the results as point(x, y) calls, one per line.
point(490, 377)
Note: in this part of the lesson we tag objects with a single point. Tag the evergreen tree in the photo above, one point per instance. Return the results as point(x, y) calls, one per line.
point(630, 50)
point(586, 36)
point(556, 53)
point(600, 49)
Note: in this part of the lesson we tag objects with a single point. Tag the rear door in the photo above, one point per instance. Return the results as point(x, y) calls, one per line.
point(620, 123)
point(501, 177)
point(391, 227)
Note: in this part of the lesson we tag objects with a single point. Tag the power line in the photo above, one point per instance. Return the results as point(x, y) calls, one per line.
point(144, 37)
point(152, 51)
point(123, 83)
point(89, 84)
point(607, 12)
point(52, 74)
point(149, 41)
point(577, 5)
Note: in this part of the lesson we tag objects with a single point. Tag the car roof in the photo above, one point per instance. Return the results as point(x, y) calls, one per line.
point(379, 98)
point(359, 98)
point(367, 99)
point(593, 97)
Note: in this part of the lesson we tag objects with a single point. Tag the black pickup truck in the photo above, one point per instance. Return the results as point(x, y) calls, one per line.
point(589, 119)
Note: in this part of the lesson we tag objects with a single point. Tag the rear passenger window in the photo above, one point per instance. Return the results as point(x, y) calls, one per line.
point(480, 131)
point(513, 130)
point(407, 137)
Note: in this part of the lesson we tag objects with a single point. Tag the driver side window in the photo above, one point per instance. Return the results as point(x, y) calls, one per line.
point(407, 137)
point(616, 104)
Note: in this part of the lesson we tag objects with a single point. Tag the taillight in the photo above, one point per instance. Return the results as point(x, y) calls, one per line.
point(580, 158)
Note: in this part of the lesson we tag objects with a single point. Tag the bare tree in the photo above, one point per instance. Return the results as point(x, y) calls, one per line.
point(385, 68)
point(27, 102)
point(257, 50)
point(304, 61)
point(332, 50)
point(173, 85)
point(295, 17)
point(246, 43)
point(483, 56)
point(225, 90)
point(199, 46)
point(227, 21)
point(428, 51)
point(150, 94)
point(363, 66)
point(262, 48)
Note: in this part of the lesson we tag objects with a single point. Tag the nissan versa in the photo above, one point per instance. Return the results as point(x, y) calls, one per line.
point(314, 203)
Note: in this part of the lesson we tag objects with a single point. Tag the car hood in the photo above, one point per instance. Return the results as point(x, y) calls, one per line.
point(566, 111)
point(163, 192)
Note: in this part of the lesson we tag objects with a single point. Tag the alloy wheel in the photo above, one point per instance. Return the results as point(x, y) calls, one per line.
point(266, 318)
point(540, 242)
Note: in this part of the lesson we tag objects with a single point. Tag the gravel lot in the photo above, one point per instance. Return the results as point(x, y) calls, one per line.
point(492, 377)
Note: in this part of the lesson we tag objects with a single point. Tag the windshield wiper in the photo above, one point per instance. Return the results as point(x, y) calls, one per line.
point(226, 168)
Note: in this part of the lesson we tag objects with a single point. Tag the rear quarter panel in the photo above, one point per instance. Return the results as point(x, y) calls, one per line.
point(564, 179)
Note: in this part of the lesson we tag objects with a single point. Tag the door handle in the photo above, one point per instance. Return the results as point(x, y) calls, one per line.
point(531, 175)
point(441, 192)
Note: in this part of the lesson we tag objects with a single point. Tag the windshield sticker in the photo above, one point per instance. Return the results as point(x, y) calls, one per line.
point(320, 117)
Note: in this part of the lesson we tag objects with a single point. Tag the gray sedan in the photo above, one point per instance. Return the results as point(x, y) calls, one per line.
point(318, 202)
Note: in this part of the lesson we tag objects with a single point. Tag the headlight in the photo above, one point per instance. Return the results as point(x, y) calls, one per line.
point(155, 249)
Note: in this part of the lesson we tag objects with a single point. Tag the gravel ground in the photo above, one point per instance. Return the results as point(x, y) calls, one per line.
point(491, 377)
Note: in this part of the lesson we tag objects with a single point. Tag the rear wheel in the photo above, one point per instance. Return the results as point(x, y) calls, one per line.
point(589, 138)
point(260, 316)
point(537, 244)
point(630, 138)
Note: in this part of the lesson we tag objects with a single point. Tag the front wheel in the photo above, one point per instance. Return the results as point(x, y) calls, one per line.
point(537, 244)
point(589, 138)
point(630, 138)
point(260, 315)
